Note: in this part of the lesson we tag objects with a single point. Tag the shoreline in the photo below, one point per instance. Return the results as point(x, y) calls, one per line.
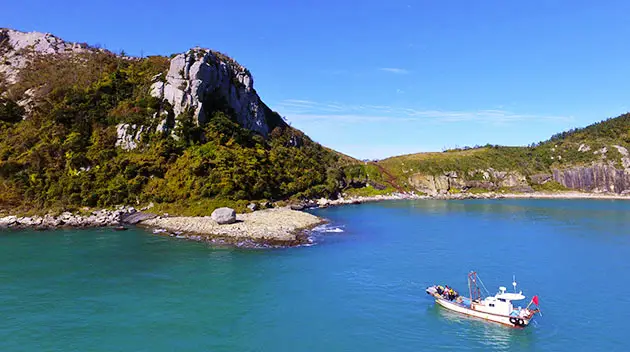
point(276, 227)
point(322, 203)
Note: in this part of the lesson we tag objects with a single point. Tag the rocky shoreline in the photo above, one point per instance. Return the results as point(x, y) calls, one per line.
point(278, 227)
point(98, 218)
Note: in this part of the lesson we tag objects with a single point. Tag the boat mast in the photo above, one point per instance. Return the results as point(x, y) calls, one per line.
point(473, 288)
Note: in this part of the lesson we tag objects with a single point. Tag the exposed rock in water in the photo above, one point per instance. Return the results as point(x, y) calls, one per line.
point(224, 216)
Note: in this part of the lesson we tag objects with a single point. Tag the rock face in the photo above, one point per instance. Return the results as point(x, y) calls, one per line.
point(488, 179)
point(195, 80)
point(596, 178)
point(199, 73)
point(16, 48)
point(224, 216)
point(129, 135)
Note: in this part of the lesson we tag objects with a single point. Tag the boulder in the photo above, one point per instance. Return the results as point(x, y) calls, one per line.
point(252, 206)
point(134, 218)
point(224, 216)
point(298, 206)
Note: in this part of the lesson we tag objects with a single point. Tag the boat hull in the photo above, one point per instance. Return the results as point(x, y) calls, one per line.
point(501, 319)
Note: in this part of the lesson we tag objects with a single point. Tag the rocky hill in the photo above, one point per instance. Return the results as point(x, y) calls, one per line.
point(82, 126)
point(592, 159)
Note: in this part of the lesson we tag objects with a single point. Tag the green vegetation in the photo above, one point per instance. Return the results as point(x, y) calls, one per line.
point(61, 153)
point(578, 147)
point(368, 191)
point(64, 155)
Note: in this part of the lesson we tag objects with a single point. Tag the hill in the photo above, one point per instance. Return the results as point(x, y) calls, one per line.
point(594, 159)
point(83, 127)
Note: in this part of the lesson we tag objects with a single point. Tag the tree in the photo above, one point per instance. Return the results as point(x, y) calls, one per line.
point(10, 111)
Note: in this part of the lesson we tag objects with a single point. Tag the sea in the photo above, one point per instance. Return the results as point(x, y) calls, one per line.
point(359, 287)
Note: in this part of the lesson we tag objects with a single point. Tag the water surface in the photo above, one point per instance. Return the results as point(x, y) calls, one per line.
point(361, 288)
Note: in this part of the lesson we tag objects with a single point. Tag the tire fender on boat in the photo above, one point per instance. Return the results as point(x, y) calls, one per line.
point(517, 321)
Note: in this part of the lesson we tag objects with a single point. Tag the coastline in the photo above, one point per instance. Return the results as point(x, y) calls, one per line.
point(462, 196)
point(276, 227)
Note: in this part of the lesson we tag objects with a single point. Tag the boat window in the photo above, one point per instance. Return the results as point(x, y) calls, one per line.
point(502, 299)
point(491, 304)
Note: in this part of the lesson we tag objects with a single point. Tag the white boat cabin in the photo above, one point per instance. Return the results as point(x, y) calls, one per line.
point(501, 303)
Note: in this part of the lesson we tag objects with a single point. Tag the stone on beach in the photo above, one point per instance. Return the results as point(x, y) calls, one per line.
point(224, 216)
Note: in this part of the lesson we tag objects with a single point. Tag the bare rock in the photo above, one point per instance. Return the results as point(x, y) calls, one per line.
point(298, 206)
point(224, 216)
point(136, 217)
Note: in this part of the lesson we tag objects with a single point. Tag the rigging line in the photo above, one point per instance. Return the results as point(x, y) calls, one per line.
point(482, 285)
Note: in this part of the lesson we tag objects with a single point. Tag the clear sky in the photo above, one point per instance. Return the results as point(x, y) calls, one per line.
point(379, 78)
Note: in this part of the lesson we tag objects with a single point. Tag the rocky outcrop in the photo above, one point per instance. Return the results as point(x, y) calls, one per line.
point(200, 75)
point(196, 81)
point(17, 48)
point(487, 179)
point(129, 135)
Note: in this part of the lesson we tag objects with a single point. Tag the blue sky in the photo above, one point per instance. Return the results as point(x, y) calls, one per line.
point(374, 79)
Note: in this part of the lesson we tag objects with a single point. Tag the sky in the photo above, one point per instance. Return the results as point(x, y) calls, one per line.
point(374, 79)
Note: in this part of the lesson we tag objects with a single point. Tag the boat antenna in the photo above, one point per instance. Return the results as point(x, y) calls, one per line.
point(514, 282)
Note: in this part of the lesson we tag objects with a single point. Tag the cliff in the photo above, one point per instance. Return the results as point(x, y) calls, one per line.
point(194, 81)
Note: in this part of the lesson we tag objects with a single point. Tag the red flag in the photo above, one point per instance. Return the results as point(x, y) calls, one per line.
point(535, 300)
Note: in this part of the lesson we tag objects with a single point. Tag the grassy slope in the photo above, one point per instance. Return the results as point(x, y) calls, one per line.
point(560, 151)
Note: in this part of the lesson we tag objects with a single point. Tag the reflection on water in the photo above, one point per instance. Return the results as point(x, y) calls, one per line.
point(569, 214)
point(492, 335)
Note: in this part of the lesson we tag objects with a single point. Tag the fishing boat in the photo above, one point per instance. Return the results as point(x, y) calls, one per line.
point(497, 308)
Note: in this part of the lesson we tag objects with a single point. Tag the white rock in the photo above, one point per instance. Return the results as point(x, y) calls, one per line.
point(224, 216)
point(625, 160)
point(199, 72)
point(23, 44)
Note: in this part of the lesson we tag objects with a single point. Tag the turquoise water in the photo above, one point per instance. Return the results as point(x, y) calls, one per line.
point(357, 290)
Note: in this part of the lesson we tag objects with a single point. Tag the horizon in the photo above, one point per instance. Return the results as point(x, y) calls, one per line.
point(383, 80)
